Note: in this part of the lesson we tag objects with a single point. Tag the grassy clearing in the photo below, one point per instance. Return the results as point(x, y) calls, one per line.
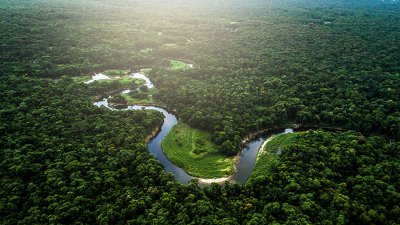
point(124, 80)
point(81, 79)
point(117, 72)
point(177, 65)
point(138, 101)
point(192, 150)
point(127, 80)
point(140, 97)
point(271, 152)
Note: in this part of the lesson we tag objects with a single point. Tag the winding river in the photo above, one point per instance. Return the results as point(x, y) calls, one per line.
point(244, 166)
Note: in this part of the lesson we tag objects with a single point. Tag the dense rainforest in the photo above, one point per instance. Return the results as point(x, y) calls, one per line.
point(257, 65)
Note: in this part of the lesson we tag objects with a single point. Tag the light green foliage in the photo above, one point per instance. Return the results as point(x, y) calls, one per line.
point(270, 154)
point(193, 150)
point(177, 65)
point(140, 97)
point(108, 86)
point(81, 79)
point(116, 72)
point(124, 80)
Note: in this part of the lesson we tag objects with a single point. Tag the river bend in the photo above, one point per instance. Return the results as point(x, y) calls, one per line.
point(243, 168)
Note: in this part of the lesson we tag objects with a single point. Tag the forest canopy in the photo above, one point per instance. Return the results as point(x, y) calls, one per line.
point(257, 65)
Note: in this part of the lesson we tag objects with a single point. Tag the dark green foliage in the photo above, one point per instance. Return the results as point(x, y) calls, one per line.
point(59, 153)
point(138, 94)
point(324, 63)
point(276, 70)
point(117, 99)
point(338, 177)
point(228, 148)
point(144, 88)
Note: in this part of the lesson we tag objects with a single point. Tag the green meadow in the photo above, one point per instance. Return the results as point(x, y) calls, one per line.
point(192, 150)
point(270, 153)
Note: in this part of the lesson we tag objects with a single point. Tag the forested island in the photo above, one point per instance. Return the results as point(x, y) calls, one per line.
point(231, 72)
